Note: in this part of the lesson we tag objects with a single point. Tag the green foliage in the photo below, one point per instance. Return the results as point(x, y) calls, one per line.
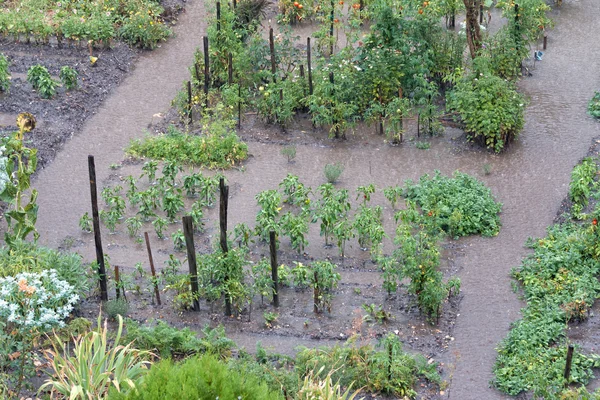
point(85, 223)
point(24, 256)
point(116, 307)
point(163, 339)
point(94, 365)
point(198, 378)
point(295, 191)
point(331, 209)
point(323, 280)
point(389, 370)
point(40, 79)
point(593, 106)
point(460, 205)
point(213, 149)
point(333, 171)
point(137, 22)
point(68, 77)
point(4, 74)
point(269, 202)
point(289, 152)
point(560, 276)
point(490, 107)
point(583, 181)
point(422, 145)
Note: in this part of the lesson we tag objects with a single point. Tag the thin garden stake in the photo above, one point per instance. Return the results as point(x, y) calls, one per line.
point(316, 293)
point(154, 281)
point(272, 49)
point(206, 66)
point(223, 227)
point(189, 93)
point(97, 238)
point(188, 232)
point(218, 16)
point(568, 364)
point(118, 282)
point(331, 30)
point(230, 69)
point(310, 82)
point(273, 249)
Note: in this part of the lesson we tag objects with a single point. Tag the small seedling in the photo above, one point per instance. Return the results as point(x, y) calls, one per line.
point(85, 223)
point(270, 318)
point(422, 145)
point(357, 291)
point(487, 169)
point(289, 152)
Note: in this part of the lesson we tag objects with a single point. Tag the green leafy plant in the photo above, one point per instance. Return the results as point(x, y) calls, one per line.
point(266, 218)
point(94, 366)
point(178, 240)
point(460, 205)
point(40, 79)
point(85, 223)
point(332, 172)
point(582, 183)
point(392, 194)
point(422, 145)
point(376, 313)
point(490, 107)
point(314, 387)
point(159, 225)
point(4, 74)
point(289, 152)
point(149, 169)
point(159, 337)
point(270, 318)
point(134, 225)
point(68, 77)
point(212, 379)
point(296, 227)
point(323, 280)
point(593, 105)
point(172, 203)
point(116, 307)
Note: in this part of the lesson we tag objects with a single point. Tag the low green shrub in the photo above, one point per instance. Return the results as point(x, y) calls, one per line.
point(163, 339)
point(460, 205)
point(202, 377)
point(211, 149)
point(490, 107)
point(40, 79)
point(594, 105)
point(389, 370)
point(333, 171)
point(582, 183)
point(143, 30)
point(68, 77)
point(116, 307)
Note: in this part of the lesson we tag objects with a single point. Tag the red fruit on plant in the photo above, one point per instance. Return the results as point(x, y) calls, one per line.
point(594, 222)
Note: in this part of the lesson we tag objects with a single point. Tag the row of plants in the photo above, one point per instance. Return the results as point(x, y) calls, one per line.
point(40, 78)
point(126, 366)
point(137, 22)
point(559, 282)
point(400, 69)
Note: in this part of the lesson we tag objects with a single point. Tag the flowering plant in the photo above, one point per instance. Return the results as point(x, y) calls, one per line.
point(36, 301)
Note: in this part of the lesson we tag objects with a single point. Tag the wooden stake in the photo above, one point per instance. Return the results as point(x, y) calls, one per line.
point(152, 270)
point(230, 69)
point(239, 106)
point(331, 30)
point(118, 282)
point(545, 41)
point(206, 66)
point(272, 49)
point(316, 293)
point(97, 237)
point(273, 248)
point(223, 227)
point(218, 16)
point(189, 93)
point(310, 82)
point(188, 232)
point(197, 72)
point(568, 364)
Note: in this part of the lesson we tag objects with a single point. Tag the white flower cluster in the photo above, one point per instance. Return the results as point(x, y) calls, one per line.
point(4, 178)
point(36, 300)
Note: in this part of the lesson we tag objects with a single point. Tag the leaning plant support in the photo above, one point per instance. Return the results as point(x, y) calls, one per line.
point(17, 164)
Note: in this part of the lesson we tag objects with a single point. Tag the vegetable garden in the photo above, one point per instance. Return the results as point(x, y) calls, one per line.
point(367, 269)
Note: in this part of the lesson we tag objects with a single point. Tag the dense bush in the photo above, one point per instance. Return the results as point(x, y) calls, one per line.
point(460, 205)
point(40, 79)
point(4, 74)
point(198, 378)
point(582, 183)
point(490, 107)
point(218, 149)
